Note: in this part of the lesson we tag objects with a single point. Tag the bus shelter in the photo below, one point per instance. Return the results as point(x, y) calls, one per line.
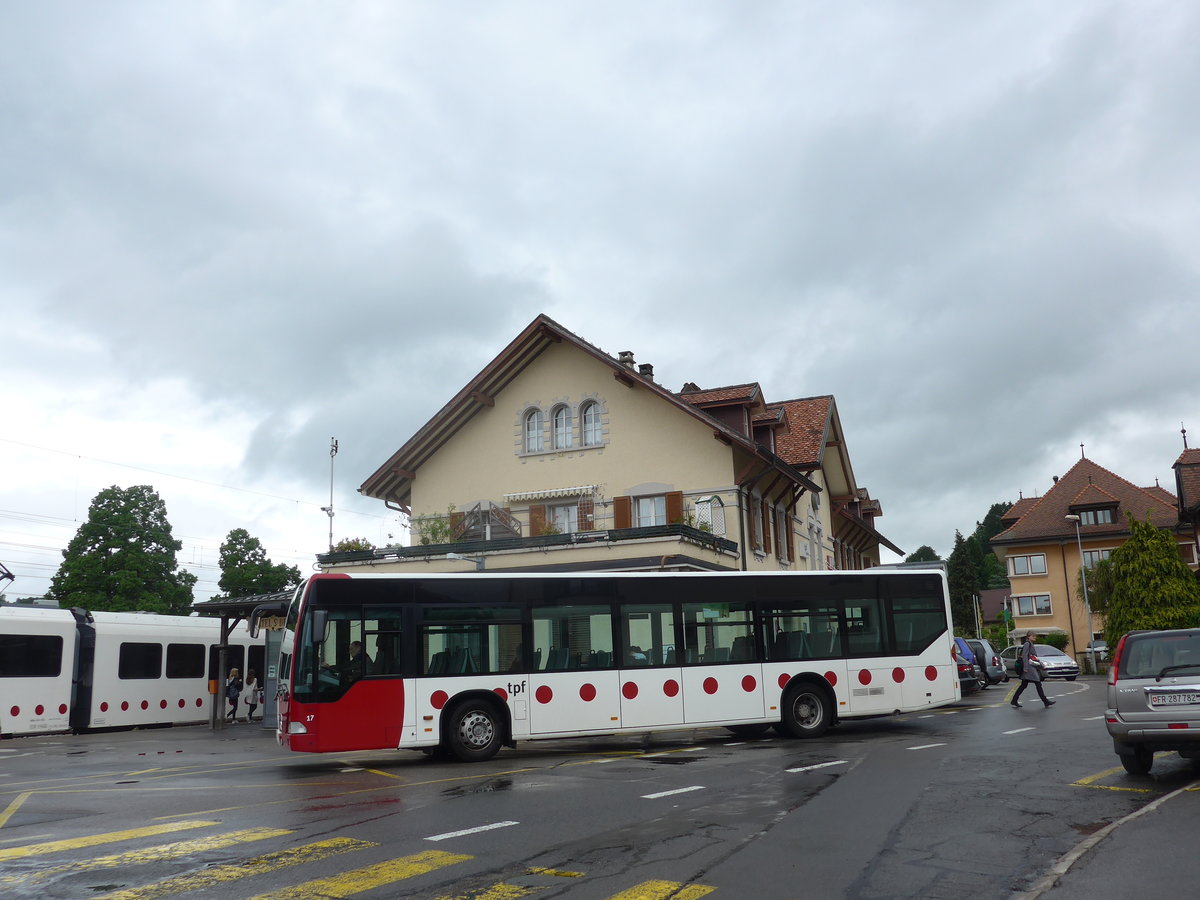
point(269, 612)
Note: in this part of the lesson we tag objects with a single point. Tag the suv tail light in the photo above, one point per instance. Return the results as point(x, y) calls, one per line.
point(1116, 659)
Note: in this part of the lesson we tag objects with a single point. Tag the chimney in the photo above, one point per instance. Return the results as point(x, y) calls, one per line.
point(646, 371)
point(625, 358)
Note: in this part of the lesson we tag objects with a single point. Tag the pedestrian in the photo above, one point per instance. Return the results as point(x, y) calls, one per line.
point(1029, 667)
point(233, 690)
point(252, 688)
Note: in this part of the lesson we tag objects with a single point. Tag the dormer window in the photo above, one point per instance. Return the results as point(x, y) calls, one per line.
point(1105, 516)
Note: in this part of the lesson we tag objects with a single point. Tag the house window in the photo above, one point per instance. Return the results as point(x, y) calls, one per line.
point(1032, 605)
point(710, 515)
point(533, 431)
point(589, 417)
point(562, 428)
point(649, 511)
point(1187, 552)
point(564, 518)
point(1033, 564)
point(1091, 557)
point(1096, 517)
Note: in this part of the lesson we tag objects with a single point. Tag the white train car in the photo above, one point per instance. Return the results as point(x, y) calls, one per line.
point(37, 667)
point(66, 670)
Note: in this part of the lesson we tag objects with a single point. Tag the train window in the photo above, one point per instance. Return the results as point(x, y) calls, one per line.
point(30, 655)
point(185, 660)
point(138, 660)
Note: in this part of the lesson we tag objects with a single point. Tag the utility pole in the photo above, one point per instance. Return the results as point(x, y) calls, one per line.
point(328, 510)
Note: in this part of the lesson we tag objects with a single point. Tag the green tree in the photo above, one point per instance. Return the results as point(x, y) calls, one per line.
point(246, 570)
point(962, 575)
point(924, 553)
point(991, 570)
point(123, 557)
point(1152, 587)
point(1099, 585)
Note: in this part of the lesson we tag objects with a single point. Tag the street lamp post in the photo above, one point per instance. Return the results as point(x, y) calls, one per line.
point(1087, 605)
point(478, 560)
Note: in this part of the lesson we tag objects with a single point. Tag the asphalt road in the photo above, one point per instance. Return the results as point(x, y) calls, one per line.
point(978, 800)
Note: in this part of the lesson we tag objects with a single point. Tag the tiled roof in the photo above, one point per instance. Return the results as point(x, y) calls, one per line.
point(735, 393)
point(1093, 495)
point(803, 443)
point(1045, 519)
point(1163, 494)
point(1018, 509)
point(1187, 480)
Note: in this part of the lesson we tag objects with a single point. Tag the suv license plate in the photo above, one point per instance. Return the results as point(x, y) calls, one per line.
point(1174, 699)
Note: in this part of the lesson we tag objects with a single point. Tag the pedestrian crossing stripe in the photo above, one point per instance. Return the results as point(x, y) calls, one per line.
point(148, 854)
point(258, 865)
point(664, 890)
point(347, 884)
point(94, 840)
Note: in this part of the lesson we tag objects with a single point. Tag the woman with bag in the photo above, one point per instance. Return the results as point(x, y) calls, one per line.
point(233, 690)
point(252, 689)
point(1029, 667)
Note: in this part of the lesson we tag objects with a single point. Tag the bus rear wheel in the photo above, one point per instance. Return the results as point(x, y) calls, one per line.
point(473, 731)
point(805, 711)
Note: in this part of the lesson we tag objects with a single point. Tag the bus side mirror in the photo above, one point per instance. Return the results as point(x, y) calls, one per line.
point(317, 625)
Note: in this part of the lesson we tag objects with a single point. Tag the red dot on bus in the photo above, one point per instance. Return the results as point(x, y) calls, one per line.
point(124, 705)
point(145, 704)
point(438, 699)
point(162, 704)
point(784, 679)
point(671, 687)
point(749, 683)
point(864, 676)
point(629, 690)
point(710, 685)
point(931, 673)
point(104, 706)
point(15, 711)
point(501, 693)
point(182, 703)
point(587, 692)
point(62, 709)
point(39, 710)
point(199, 701)
point(898, 674)
point(544, 694)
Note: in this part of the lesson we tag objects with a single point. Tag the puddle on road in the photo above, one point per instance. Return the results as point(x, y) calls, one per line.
point(487, 787)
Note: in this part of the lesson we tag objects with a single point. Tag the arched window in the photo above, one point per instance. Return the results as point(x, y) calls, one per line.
point(533, 431)
point(589, 415)
point(562, 427)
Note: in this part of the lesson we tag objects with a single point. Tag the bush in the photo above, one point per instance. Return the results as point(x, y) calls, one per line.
point(1057, 639)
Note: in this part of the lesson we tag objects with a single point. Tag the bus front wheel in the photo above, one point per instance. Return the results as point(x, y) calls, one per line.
point(806, 711)
point(473, 731)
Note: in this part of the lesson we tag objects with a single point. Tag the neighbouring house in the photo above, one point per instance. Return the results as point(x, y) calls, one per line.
point(1040, 546)
point(559, 456)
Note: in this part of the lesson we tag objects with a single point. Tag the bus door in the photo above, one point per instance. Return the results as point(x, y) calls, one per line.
point(651, 678)
point(348, 692)
point(573, 684)
point(724, 679)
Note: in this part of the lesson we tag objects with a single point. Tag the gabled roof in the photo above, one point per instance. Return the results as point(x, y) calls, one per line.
point(810, 421)
point(733, 395)
point(1093, 495)
point(1045, 518)
point(392, 482)
point(1018, 509)
point(1187, 481)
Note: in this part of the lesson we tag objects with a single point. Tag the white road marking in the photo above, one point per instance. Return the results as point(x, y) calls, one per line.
point(1019, 730)
point(685, 790)
point(926, 746)
point(1093, 718)
point(454, 834)
point(837, 762)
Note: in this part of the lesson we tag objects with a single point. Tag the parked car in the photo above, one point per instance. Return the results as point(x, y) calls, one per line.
point(988, 661)
point(1058, 664)
point(969, 677)
point(1100, 648)
point(1154, 696)
point(963, 649)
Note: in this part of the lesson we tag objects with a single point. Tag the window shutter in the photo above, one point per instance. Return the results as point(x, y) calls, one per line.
point(791, 539)
point(766, 524)
point(537, 520)
point(457, 525)
point(674, 507)
point(752, 517)
point(622, 512)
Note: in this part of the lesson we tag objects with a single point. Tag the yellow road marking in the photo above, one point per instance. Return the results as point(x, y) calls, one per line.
point(1084, 782)
point(149, 854)
point(217, 876)
point(558, 873)
point(664, 890)
point(498, 892)
point(13, 807)
point(347, 884)
point(92, 840)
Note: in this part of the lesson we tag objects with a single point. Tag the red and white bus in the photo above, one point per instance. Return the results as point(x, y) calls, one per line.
point(469, 663)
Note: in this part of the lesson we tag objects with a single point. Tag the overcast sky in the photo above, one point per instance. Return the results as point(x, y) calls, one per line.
point(231, 231)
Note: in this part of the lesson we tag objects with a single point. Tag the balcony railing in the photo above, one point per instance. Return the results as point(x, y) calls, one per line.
point(685, 533)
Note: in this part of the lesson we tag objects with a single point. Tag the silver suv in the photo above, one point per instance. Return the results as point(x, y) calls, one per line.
point(1154, 696)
